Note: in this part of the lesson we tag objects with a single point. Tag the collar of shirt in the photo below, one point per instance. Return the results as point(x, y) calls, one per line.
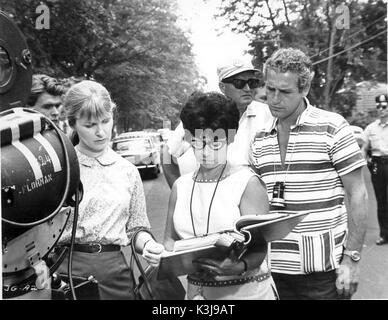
point(106, 159)
point(300, 121)
point(250, 111)
point(382, 125)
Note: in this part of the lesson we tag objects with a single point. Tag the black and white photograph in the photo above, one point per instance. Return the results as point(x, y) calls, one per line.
point(221, 151)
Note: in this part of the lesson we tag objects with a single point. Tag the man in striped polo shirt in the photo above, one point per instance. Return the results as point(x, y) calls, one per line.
point(309, 159)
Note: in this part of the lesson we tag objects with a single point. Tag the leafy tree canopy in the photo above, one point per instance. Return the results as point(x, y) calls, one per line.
point(133, 47)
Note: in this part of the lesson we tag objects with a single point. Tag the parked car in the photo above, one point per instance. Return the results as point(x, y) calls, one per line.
point(156, 138)
point(141, 151)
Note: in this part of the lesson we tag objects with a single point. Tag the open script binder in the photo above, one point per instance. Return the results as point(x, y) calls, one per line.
point(218, 245)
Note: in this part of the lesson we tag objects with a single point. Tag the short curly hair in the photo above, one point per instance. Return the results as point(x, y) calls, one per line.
point(42, 83)
point(210, 110)
point(292, 60)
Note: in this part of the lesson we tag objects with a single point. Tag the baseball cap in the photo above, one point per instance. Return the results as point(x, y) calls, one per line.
point(382, 99)
point(234, 66)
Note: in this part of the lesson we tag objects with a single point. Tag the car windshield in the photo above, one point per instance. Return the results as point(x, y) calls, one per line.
point(137, 145)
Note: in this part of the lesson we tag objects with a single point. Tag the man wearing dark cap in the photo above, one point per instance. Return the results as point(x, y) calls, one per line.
point(46, 96)
point(376, 141)
point(238, 80)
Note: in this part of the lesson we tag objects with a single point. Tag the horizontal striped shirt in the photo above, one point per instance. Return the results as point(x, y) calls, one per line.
point(321, 149)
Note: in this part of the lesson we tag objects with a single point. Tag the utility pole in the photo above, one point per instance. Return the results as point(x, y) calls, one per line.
point(329, 69)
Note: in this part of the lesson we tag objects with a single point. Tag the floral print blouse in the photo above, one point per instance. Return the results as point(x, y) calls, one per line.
point(113, 204)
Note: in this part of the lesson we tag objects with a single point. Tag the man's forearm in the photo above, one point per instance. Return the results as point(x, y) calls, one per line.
point(170, 167)
point(357, 219)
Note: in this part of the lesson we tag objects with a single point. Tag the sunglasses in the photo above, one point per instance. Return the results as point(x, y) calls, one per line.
point(241, 83)
point(381, 107)
point(214, 145)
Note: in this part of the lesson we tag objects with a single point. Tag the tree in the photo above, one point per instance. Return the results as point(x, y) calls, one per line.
point(341, 56)
point(133, 47)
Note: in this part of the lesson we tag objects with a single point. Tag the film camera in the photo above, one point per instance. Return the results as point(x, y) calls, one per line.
point(39, 180)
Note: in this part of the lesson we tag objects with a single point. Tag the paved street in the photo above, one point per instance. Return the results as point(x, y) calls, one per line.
point(374, 263)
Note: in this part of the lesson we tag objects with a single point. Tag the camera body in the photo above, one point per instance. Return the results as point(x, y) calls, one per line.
point(39, 176)
point(15, 65)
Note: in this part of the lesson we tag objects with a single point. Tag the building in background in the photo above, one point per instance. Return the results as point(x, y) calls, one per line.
point(362, 111)
point(366, 94)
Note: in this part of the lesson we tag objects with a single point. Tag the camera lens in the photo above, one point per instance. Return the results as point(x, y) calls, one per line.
point(5, 67)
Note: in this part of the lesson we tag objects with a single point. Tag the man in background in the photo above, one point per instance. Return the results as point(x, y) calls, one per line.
point(238, 80)
point(46, 96)
point(376, 142)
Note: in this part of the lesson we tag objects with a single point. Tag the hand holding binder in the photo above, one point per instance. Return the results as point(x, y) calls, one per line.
point(230, 265)
point(256, 230)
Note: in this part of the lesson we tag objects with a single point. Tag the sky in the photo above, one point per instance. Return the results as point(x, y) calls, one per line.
point(209, 47)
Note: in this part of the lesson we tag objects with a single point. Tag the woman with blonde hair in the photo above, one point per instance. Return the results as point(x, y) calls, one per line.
point(113, 205)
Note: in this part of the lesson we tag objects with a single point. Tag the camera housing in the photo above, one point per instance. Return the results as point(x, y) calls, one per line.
point(39, 176)
point(15, 65)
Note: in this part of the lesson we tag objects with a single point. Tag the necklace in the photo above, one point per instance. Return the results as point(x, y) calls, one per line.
point(211, 201)
point(195, 176)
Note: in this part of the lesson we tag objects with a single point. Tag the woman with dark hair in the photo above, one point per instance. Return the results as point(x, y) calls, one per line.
point(210, 200)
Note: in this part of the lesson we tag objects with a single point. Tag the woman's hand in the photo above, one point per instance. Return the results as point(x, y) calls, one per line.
point(152, 252)
point(169, 245)
point(225, 267)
